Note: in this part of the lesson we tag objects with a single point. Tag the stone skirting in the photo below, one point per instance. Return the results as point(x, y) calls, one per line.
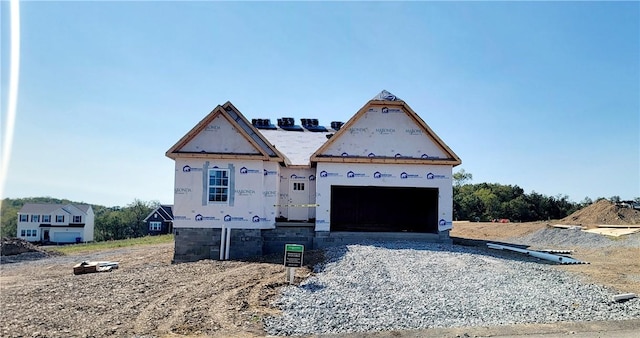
point(193, 244)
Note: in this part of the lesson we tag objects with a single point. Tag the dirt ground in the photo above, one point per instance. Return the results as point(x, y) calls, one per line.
point(150, 297)
point(146, 296)
point(618, 267)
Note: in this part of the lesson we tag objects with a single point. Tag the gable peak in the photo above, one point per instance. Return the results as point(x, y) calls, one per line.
point(385, 95)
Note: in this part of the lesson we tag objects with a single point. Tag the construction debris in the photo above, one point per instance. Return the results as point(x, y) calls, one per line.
point(90, 267)
point(619, 226)
point(624, 297)
point(615, 232)
point(565, 226)
point(554, 251)
point(538, 254)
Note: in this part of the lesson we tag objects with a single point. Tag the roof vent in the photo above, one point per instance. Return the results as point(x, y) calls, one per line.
point(336, 125)
point(312, 125)
point(262, 124)
point(287, 123)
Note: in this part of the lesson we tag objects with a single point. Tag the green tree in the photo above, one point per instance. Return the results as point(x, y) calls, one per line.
point(487, 201)
point(461, 178)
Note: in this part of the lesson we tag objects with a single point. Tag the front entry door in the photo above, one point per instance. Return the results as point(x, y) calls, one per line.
point(45, 236)
point(298, 196)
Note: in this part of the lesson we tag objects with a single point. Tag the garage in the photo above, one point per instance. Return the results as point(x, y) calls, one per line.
point(66, 237)
point(384, 209)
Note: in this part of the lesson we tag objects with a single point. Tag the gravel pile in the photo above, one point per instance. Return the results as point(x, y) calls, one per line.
point(400, 286)
point(560, 238)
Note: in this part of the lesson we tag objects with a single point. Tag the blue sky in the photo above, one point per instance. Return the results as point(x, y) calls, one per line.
point(545, 96)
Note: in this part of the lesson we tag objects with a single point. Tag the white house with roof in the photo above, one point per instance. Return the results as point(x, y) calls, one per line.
point(56, 223)
point(244, 188)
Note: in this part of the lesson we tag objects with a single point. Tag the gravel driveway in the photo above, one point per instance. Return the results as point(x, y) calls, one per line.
point(399, 286)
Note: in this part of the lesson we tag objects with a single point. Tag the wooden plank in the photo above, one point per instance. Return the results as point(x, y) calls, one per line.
point(623, 226)
point(612, 231)
point(567, 226)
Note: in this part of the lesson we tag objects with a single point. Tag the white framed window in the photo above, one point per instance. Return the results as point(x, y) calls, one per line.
point(22, 233)
point(35, 218)
point(46, 218)
point(219, 185)
point(59, 218)
point(24, 218)
point(298, 186)
point(155, 226)
point(77, 219)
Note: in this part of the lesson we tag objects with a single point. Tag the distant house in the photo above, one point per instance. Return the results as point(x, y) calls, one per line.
point(56, 223)
point(160, 220)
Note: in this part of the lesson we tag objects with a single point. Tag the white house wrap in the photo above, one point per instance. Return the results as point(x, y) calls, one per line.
point(382, 174)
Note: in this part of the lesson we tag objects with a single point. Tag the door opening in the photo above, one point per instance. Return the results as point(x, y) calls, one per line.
point(298, 209)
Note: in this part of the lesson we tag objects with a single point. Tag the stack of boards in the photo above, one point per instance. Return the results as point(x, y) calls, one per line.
point(605, 229)
point(90, 267)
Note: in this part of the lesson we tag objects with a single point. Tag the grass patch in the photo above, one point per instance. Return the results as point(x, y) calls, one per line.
point(97, 246)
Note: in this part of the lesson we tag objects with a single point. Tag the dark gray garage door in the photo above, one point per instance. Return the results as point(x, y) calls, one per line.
point(384, 209)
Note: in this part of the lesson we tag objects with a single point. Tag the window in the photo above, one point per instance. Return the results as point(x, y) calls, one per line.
point(35, 218)
point(218, 185)
point(34, 232)
point(77, 219)
point(155, 226)
point(22, 233)
point(30, 232)
point(24, 218)
point(59, 218)
point(298, 186)
point(46, 218)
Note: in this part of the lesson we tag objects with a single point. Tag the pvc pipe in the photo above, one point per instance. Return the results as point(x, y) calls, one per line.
point(222, 236)
point(537, 254)
point(624, 296)
point(226, 253)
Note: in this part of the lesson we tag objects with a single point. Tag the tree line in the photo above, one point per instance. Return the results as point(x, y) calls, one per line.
point(110, 223)
point(491, 201)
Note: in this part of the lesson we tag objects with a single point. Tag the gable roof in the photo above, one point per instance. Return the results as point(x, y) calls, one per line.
point(261, 149)
point(45, 208)
point(382, 101)
point(165, 211)
point(305, 148)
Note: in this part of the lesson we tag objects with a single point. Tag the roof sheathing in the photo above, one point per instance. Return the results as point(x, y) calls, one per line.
point(453, 159)
point(296, 146)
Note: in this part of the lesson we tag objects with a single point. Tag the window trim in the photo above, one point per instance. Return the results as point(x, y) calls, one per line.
point(46, 218)
point(25, 216)
point(220, 190)
point(79, 219)
point(59, 217)
point(35, 218)
point(23, 233)
point(155, 226)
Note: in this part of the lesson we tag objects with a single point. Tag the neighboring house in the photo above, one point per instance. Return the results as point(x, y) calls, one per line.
point(245, 189)
point(160, 220)
point(55, 223)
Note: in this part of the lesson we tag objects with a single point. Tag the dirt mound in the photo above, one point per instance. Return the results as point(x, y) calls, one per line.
point(603, 212)
point(16, 246)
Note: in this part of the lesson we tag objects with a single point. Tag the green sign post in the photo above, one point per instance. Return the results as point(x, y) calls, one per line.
point(293, 256)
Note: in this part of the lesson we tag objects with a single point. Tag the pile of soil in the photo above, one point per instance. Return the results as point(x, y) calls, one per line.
point(603, 212)
point(15, 246)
